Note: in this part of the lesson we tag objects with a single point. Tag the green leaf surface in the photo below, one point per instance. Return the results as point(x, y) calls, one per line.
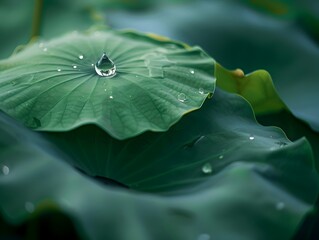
point(241, 37)
point(216, 173)
point(53, 86)
point(295, 129)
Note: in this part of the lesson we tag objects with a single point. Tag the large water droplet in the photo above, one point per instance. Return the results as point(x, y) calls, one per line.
point(29, 206)
point(203, 236)
point(5, 170)
point(182, 97)
point(207, 168)
point(105, 67)
point(280, 205)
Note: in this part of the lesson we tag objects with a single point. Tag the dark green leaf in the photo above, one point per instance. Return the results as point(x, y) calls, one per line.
point(223, 175)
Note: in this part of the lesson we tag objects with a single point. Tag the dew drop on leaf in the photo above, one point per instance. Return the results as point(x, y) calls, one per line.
point(221, 157)
point(74, 66)
point(281, 144)
point(5, 170)
point(201, 90)
point(207, 168)
point(81, 57)
point(251, 137)
point(59, 69)
point(192, 71)
point(105, 67)
point(182, 97)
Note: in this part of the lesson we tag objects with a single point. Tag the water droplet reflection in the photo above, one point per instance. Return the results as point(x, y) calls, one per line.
point(207, 168)
point(182, 97)
point(251, 137)
point(201, 90)
point(5, 170)
point(105, 67)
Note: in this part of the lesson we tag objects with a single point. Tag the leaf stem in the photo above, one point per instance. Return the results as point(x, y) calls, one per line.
point(36, 22)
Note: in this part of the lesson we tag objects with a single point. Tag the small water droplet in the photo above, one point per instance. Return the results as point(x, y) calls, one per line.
point(221, 157)
point(207, 168)
point(111, 97)
point(182, 97)
point(59, 69)
point(105, 89)
point(92, 64)
point(280, 205)
point(192, 71)
point(29, 206)
point(41, 45)
point(45, 49)
point(81, 57)
point(105, 67)
point(203, 236)
point(201, 90)
point(74, 66)
point(281, 144)
point(251, 137)
point(5, 170)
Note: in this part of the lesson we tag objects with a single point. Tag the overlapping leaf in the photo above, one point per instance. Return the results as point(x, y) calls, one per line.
point(54, 85)
point(238, 36)
point(220, 180)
